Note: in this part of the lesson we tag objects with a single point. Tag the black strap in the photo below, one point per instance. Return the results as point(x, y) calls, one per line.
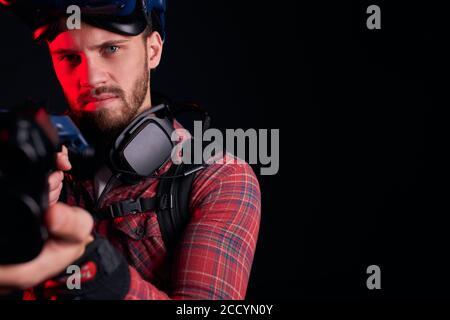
point(173, 211)
point(171, 204)
point(126, 208)
point(166, 202)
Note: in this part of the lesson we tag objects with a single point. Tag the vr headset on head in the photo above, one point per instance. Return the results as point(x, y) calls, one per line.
point(128, 17)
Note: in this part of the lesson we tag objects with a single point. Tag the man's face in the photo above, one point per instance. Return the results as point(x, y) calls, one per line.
point(104, 75)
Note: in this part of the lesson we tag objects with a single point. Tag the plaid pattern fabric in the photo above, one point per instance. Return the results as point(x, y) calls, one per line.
point(213, 260)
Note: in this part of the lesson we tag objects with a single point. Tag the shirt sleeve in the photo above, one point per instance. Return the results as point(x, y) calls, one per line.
point(214, 258)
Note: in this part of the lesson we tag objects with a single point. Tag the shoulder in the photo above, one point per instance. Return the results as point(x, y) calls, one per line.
point(226, 179)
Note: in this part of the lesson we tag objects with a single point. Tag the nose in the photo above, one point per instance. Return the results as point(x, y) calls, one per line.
point(92, 73)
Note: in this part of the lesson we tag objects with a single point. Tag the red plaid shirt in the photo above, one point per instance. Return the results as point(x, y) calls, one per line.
point(213, 260)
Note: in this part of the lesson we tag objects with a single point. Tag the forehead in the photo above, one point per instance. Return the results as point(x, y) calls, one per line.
point(85, 37)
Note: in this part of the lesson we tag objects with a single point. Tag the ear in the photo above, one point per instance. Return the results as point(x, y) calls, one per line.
point(154, 48)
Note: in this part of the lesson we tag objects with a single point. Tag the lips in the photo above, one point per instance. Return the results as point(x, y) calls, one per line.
point(98, 100)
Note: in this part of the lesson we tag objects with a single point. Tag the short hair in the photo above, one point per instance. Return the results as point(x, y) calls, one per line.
point(147, 32)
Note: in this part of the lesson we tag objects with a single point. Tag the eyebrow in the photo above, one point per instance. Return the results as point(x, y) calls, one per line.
point(98, 46)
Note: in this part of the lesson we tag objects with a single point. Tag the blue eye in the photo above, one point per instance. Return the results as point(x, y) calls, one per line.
point(111, 49)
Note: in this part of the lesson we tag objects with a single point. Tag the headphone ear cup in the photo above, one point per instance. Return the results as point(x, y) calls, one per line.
point(142, 148)
point(148, 148)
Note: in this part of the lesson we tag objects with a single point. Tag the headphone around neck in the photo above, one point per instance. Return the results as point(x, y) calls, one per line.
point(145, 145)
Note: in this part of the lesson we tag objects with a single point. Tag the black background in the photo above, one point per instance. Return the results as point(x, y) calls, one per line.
point(361, 177)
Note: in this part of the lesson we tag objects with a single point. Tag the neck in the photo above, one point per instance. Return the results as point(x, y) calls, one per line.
point(147, 103)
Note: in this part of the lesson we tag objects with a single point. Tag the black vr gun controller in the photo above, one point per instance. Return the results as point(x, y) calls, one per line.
point(29, 142)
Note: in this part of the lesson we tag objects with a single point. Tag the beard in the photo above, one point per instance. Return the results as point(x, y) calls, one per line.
point(101, 127)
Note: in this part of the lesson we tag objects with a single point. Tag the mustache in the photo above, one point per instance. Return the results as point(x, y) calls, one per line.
point(96, 92)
